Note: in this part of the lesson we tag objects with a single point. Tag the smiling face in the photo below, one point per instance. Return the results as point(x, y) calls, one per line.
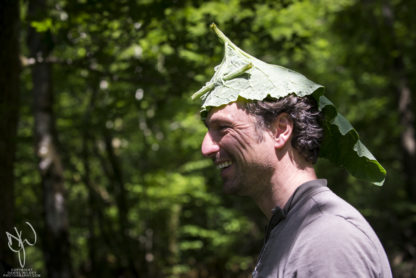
point(246, 162)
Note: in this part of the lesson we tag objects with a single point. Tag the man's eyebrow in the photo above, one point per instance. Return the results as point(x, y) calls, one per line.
point(216, 121)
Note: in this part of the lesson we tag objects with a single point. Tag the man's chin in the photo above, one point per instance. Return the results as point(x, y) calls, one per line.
point(228, 187)
point(232, 188)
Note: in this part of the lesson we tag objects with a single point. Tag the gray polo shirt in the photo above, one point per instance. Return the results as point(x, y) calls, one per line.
point(317, 234)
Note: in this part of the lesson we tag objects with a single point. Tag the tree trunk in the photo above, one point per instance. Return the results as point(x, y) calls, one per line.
point(173, 228)
point(9, 110)
point(116, 178)
point(56, 235)
point(408, 140)
point(92, 207)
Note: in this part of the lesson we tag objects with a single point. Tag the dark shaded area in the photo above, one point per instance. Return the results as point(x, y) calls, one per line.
point(9, 111)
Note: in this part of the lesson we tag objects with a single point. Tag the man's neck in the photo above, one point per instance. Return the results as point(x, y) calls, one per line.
point(283, 184)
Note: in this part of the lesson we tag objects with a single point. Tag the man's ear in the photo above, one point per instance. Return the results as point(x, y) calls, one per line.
point(282, 130)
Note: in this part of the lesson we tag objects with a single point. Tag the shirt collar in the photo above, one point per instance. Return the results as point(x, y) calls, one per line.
point(303, 191)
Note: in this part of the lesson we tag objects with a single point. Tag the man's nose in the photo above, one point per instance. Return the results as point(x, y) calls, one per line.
point(209, 146)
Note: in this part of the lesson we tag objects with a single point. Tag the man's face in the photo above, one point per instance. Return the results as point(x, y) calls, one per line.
point(232, 141)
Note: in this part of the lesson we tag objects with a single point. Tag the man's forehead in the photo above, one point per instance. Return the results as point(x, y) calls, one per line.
point(230, 112)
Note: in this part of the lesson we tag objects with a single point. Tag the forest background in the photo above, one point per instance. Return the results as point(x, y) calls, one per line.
point(100, 142)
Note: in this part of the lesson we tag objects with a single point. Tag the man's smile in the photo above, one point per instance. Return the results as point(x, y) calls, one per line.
point(223, 164)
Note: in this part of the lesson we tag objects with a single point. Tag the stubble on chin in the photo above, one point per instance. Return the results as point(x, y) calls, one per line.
point(235, 188)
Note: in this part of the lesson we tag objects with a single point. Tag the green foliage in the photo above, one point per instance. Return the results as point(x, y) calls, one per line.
point(123, 72)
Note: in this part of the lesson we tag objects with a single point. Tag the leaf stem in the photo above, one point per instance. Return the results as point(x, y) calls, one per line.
point(238, 72)
point(208, 87)
point(225, 39)
point(203, 90)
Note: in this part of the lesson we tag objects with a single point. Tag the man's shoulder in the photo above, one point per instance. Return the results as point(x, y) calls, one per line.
point(329, 230)
point(323, 236)
point(322, 205)
point(334, 245)
point(334, 219)
point(321, 213)
point(336, 236)
point(330, 207)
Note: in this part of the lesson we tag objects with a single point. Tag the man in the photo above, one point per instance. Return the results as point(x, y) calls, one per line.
point(265, 146)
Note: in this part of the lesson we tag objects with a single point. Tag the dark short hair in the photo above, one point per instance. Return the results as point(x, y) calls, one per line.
point(306, 118)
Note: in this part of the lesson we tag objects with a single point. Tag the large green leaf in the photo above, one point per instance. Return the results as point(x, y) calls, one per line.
point(343, 147)
point(241, 75)
point(256, 79)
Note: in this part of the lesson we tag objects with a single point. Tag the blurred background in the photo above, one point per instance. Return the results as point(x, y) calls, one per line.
point(100, 142)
